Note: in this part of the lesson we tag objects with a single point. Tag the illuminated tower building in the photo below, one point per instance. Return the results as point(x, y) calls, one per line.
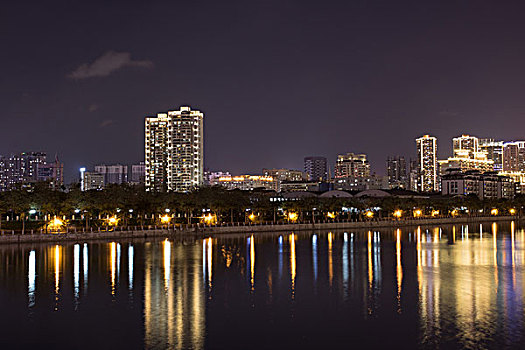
point(396, 169)
point(467, 155)
point(174, 151)
point(427, 163)
point(316, 168)
point(352, 165)
point(514, 156)
point(494, 151)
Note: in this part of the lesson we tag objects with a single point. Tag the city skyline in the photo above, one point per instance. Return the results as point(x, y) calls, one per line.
point(410, 70)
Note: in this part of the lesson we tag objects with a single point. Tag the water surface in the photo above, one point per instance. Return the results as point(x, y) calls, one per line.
point(423, 287)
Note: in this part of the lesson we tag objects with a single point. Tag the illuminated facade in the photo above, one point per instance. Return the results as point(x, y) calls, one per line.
point(174, 151)
point(113, 174)
point(467, 156)
point(514, 156)
point(352, 165)
point(427, 164)
point(494, 151)
point(27, 168)
point(487, 185)
point(246, 182)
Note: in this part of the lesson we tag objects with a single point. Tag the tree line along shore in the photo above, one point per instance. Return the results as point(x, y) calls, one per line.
point(123, 205)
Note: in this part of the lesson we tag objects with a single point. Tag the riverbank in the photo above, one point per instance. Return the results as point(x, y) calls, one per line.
point(200, 231)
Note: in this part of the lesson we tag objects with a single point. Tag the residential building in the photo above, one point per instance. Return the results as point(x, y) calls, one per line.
point(138, 173)
point(29, 167)
point(427, 164)
point(316, 168)
point(352, 165)
point(91, 180)
point(466, 156)
point(396, 168)
point(211, 178)
point(174, 150)
point(246, 182)
point(488, 185)
point(514, 156)
point(113, 174)
point(494, 152)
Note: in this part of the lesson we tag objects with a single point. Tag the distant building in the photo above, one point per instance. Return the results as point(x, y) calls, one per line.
point(494, 151)
point(467, 156)
point(285, 175)
point(396, 168)
point(138, 173)
point(427, 164)
point(27, 168)
point(352, 165)
point(316, 168)
point(246, 182)
point(174, 151)
point(514, 156)
point(353, 183)
point(413, 175)
point(91, 180)
point(113, 174)
point(488, 185)
point(211, 178)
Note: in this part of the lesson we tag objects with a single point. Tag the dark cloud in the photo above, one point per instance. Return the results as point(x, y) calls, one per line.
point(106, 64)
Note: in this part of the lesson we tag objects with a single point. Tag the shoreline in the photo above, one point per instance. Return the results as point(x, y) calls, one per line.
point(197, 232)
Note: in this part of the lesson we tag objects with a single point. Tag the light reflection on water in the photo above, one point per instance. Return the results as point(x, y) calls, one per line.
point(453, 286)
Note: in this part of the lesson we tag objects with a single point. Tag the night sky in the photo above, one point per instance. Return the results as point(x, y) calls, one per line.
point(277, 80)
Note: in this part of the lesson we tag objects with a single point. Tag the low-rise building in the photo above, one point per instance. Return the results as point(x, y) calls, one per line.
point(246, 182)
point(488, 185)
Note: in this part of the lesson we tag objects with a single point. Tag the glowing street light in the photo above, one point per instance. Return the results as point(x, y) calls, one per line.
point(369, 214)
point(55, 225)
point(209, 219)
point(512, 211)
point(292, 216)
point(330, 215)
point(435, 212)
point(417, 213)
point(494, 211)
point(252, 217)
point(398, 213)
point(165, 219)
point(454, 212)
point(112, 220)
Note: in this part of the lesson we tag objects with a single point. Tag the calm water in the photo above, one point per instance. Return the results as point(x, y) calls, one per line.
point(449, 287)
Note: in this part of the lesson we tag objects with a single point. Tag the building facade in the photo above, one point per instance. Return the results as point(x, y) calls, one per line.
point(352, 165)
point(494, 151)
point(246, 182)
point(488, 185)
point(514, 156)
point(316, 168)
point(113, 174)
point(27, 168)
point(427, 164)
point(396, 168)
point(174, 151)
point(467, 155)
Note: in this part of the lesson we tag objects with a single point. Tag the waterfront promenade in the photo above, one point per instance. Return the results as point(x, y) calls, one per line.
point(203, 230)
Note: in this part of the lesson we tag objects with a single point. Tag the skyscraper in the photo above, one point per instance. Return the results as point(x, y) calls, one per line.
point(396, 168)
point(113, 174)
point(174, 150)
point(316, 168)
point(427, 163)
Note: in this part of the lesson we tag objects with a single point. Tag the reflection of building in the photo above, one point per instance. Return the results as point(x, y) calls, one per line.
point(174, 150)
point(316, 168)
point(246, 182)
point(396, 168)
point(484, 185)
point(427, 163)
point(174, 296)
